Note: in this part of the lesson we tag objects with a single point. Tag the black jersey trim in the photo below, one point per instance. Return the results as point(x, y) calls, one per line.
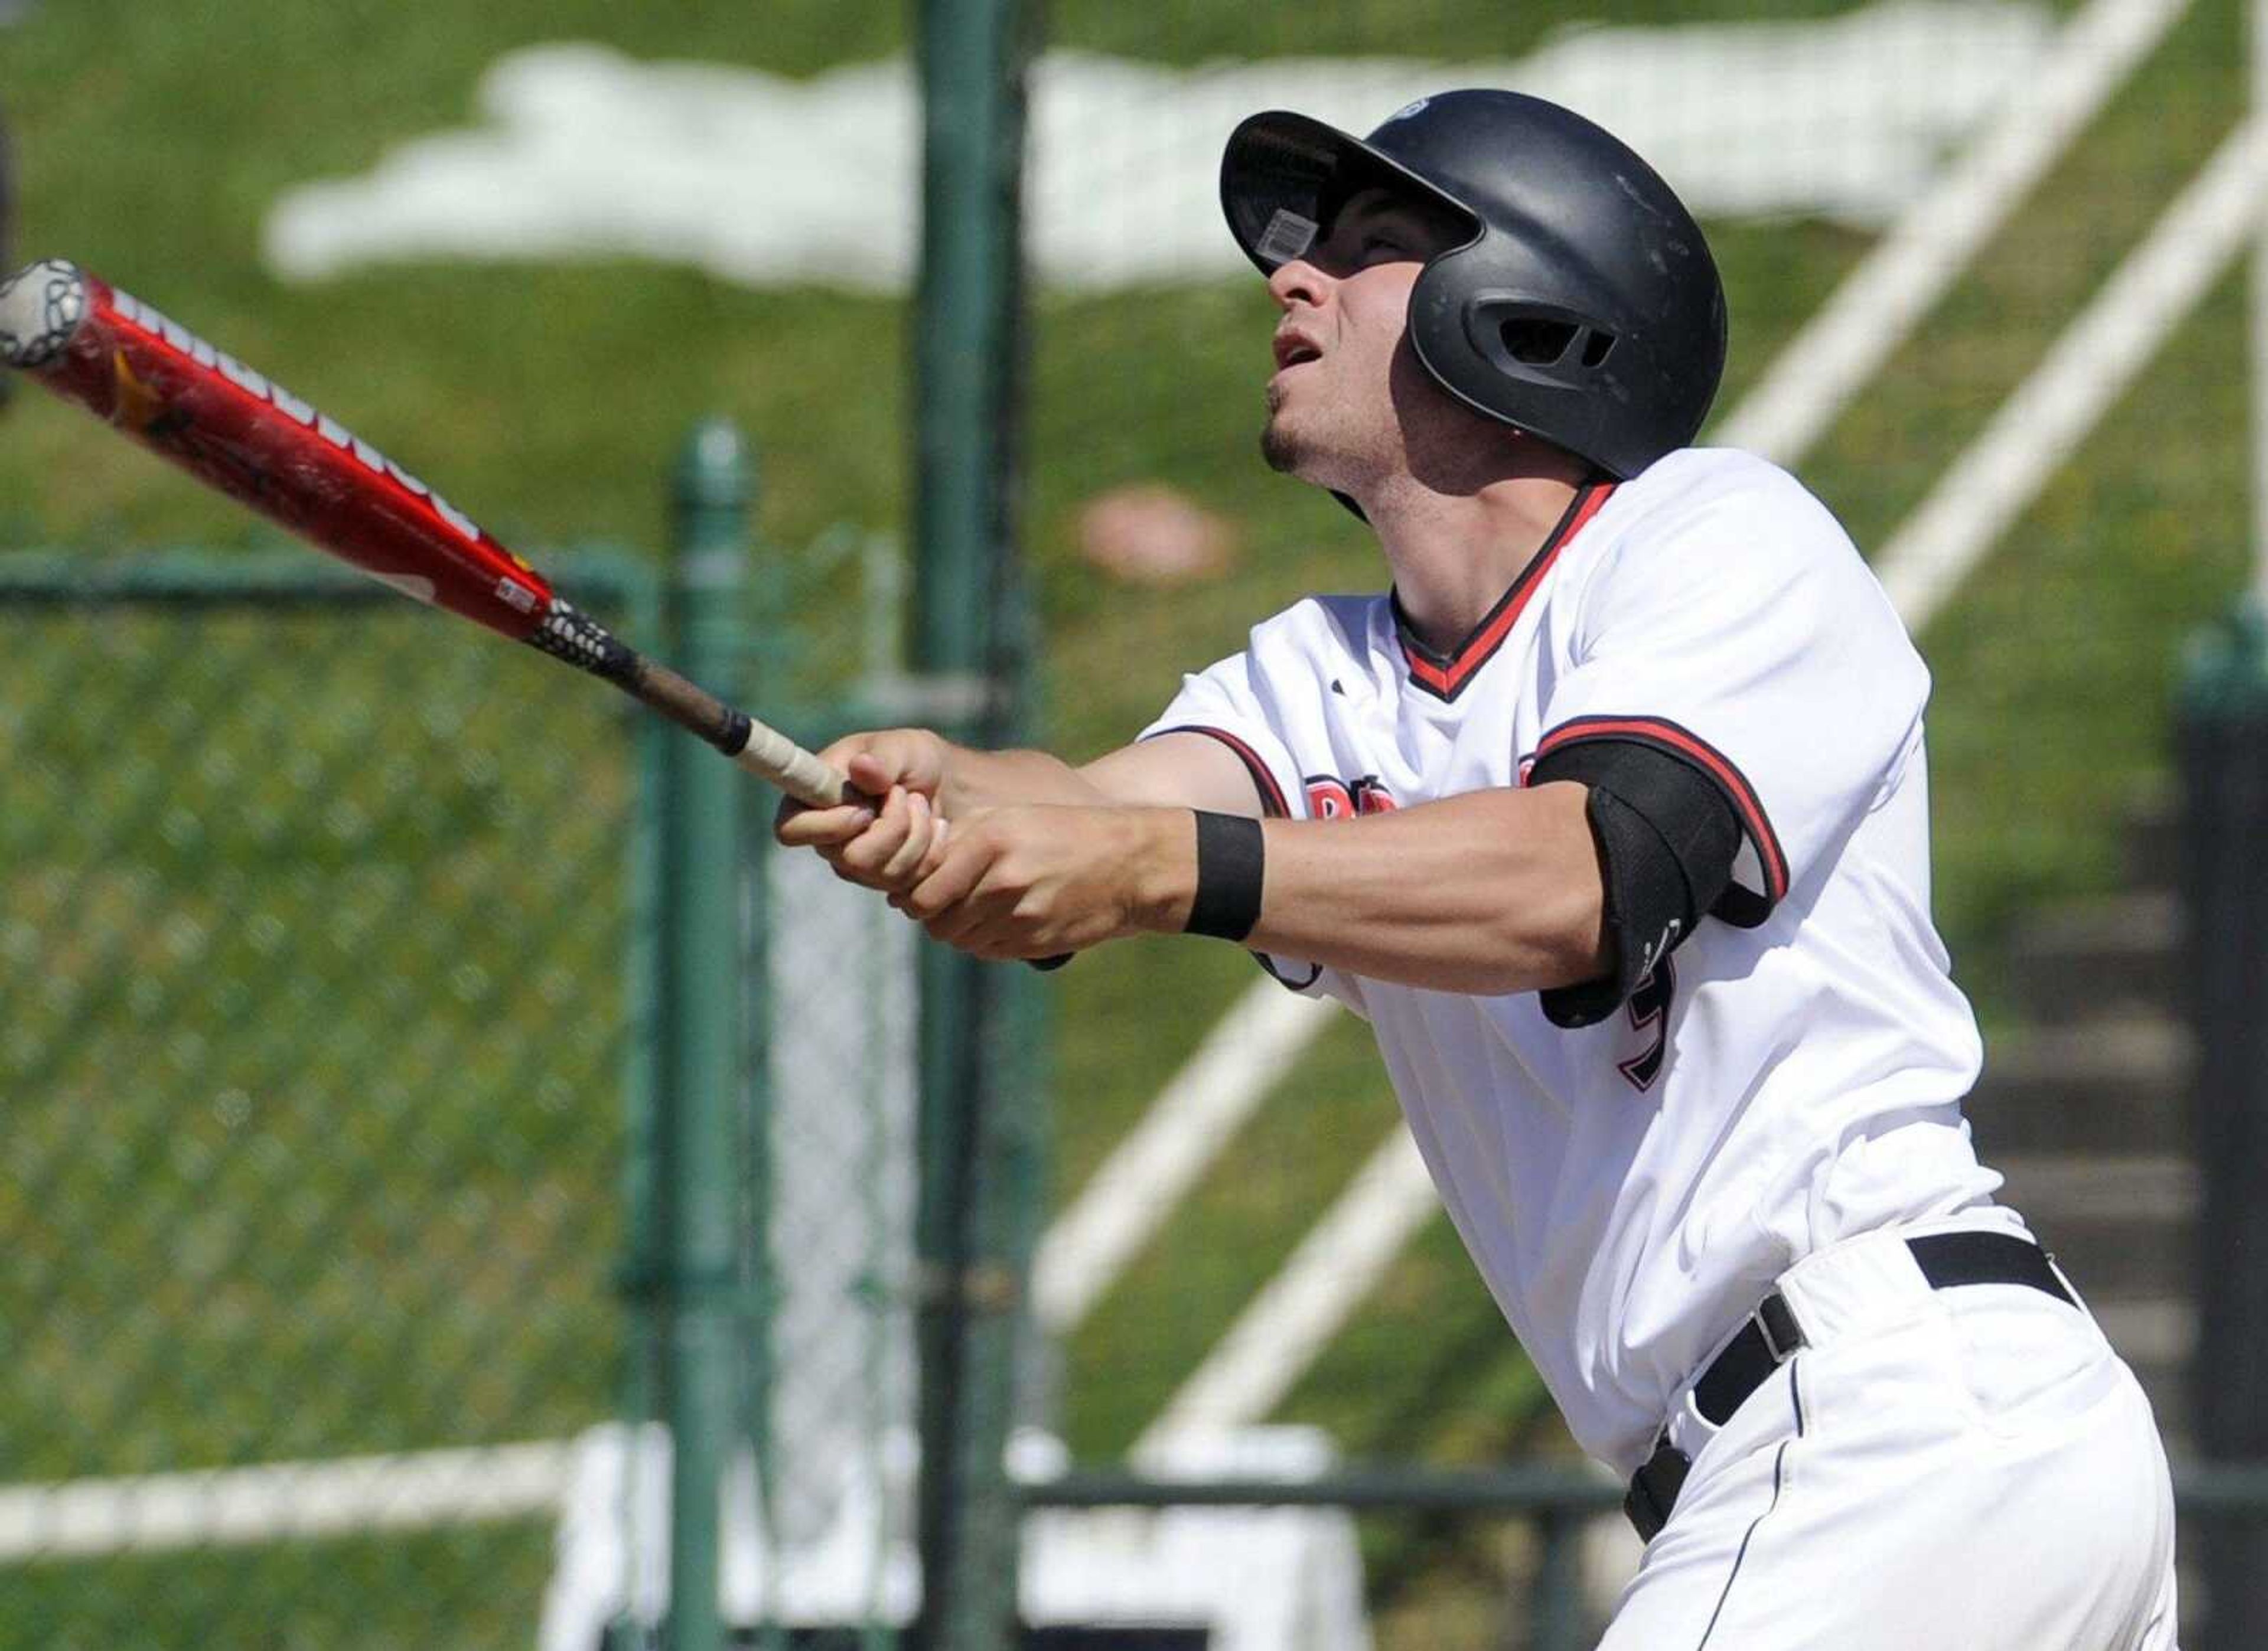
point(1743, 908)
point(1271, 794)
point(1445, 676)
point(1315, 973)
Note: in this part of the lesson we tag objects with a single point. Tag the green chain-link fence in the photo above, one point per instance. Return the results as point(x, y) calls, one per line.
point(318, 1021)
point(364, 1218)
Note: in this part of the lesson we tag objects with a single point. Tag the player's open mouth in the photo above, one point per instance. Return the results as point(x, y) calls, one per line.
point(1291, 349)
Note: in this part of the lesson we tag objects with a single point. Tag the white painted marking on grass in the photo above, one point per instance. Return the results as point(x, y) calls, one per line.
point(1279, 1334)
point(280, 1500)
point(1125, 1201)
point(2097, 357)
point(585, 153)
point(1879, 303)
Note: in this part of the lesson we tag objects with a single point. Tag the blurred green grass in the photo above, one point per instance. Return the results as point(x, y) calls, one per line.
point(547, 400)
point(474, 1586)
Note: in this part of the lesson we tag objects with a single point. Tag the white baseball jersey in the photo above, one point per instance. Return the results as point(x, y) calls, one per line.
point(1792, 1073)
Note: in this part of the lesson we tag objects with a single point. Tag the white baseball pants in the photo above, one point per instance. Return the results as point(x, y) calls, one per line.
point(1970, 1469)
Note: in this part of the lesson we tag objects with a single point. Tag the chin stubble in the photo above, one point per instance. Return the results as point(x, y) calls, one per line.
point(1279, 450)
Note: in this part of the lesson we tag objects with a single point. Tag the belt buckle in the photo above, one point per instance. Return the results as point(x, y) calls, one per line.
point(1775, 1322)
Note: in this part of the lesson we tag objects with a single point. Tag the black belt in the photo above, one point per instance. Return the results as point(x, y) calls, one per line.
point(1772, 1337)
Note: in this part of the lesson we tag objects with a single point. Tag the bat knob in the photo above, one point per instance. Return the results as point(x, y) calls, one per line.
point(40, 306)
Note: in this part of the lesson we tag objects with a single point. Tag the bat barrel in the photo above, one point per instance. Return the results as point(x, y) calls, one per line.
point(231, 427)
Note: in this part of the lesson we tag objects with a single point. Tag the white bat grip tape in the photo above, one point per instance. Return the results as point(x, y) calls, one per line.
point(771, 755)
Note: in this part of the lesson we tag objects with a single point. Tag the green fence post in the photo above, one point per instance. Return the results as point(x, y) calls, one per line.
point(1559, 1592)
point(644, 1240)
point(699, 1028)
point(969, 1225)
point(2223, 740)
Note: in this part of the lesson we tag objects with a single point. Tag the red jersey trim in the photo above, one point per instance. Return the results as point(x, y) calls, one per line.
point(1445, 676)
point(1271, 794)
point(1664, 734)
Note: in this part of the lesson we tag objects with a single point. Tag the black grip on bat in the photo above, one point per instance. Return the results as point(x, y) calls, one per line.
point(732, 737)
point(569, 634)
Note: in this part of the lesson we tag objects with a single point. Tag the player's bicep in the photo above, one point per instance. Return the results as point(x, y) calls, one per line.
point(1180, 769)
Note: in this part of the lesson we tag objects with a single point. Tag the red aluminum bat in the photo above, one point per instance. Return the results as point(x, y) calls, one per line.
point(235, 430)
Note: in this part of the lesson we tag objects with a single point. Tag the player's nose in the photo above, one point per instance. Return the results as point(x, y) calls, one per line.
point(1298, 282)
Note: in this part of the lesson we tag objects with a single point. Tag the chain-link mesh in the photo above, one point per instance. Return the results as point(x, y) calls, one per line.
point(312, 949)
point(831, 1023)
point(839, 1140)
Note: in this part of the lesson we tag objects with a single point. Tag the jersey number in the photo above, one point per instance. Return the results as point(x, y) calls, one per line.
point(1649, 1011)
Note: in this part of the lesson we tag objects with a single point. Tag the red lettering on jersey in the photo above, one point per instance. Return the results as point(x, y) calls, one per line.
point(1329, 798)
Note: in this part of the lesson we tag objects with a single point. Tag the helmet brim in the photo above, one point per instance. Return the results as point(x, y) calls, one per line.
point(1278, 163)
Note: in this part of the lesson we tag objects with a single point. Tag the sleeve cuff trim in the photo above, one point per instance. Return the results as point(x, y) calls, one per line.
point(1271, 793)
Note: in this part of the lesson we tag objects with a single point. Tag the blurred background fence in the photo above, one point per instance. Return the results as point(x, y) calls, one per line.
point(392, 1168)
point(329, 1002)
point(322, 971)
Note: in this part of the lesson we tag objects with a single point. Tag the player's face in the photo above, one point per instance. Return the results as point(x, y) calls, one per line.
point(1345, 375)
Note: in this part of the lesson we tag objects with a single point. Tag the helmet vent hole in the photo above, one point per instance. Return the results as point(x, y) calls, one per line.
point(1537, 342)
point(1597, 348)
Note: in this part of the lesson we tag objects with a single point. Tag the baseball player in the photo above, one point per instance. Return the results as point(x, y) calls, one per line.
point(1611, 817)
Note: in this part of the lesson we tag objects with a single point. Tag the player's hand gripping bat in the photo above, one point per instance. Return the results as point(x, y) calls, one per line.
point(233, 430)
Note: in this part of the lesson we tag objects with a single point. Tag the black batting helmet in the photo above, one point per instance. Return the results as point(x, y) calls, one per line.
point(1584, 308)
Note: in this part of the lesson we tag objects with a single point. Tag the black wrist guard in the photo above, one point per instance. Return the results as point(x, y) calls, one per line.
point(1231, 863)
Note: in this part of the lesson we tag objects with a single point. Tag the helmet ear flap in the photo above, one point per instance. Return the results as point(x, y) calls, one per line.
point(1472, 341)
point(1543, 344)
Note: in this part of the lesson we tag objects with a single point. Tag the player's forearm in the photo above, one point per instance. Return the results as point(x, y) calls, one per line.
point(1493, 892)
point(1182, 769)
point(977, 779)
